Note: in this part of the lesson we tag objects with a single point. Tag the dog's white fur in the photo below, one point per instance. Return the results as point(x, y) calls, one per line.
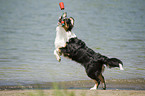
point(94, 88)
point(121, 67)
point(61, 38)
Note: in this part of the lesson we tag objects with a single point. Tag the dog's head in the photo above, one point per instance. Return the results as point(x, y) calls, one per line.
point(67, 23)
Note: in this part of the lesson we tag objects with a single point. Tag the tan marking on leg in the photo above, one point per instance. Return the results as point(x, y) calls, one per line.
point(95, 86)
point(59, 52)
point(102, 81)
point(103, 68)
point(101, 78)
point(96, 82)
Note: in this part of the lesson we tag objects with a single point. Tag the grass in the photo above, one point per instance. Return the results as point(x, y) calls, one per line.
point(38, 93)
point(57, 92)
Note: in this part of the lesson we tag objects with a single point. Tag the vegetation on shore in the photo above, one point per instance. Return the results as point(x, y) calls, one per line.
point(57, 92)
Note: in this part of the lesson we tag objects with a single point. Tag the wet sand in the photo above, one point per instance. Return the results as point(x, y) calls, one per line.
point(133, 87)
point(114, 84)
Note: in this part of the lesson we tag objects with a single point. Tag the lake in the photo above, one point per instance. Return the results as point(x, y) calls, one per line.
point(114, 28)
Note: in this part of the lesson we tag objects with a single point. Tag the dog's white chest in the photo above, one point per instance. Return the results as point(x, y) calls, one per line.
point(62, 37)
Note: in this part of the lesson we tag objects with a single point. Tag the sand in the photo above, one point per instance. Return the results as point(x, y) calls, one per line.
point(74, 92)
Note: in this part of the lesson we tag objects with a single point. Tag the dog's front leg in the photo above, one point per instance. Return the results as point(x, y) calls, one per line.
point(57, 54)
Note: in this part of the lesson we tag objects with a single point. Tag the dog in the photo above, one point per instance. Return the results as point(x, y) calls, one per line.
point(63, 34)
point(68, 45)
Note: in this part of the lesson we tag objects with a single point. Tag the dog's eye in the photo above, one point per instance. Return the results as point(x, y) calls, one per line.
point(68, 21)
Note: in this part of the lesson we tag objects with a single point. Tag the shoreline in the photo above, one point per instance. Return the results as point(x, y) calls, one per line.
point(114, 84)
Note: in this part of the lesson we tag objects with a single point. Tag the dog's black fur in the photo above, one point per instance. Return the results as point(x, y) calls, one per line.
point(93, 62)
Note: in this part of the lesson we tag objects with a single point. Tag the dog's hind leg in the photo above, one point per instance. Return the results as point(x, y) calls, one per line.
point(94, 75)
point(101, 77)
point(97, 83)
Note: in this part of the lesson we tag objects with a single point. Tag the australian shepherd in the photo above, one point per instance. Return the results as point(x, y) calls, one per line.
point(68, 45)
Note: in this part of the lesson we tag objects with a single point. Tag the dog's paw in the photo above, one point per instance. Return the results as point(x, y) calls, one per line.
point(93, 88)
point(104, 86)
point(59, 60)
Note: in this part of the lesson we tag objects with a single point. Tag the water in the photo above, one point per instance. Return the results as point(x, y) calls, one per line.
point(114, 28)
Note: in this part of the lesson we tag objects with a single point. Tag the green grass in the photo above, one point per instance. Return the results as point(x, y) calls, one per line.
point(57, 92)
point(38, 93)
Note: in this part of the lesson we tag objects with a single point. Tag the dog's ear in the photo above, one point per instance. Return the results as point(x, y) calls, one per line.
point(72, 20)
point(64, 15)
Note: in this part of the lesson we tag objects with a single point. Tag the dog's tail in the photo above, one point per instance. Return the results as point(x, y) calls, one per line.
point(113, 62)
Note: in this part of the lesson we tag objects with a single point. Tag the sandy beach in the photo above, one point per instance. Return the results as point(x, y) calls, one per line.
point(75, 92)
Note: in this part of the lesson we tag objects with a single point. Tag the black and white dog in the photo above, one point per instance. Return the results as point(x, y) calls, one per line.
point(68, 45)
